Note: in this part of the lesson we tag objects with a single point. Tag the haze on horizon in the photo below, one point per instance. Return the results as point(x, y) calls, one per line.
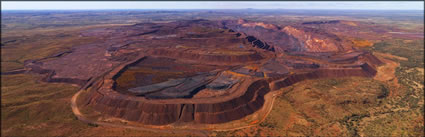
point(98, 5)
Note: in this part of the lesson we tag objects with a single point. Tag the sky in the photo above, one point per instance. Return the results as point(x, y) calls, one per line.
point(84, 5)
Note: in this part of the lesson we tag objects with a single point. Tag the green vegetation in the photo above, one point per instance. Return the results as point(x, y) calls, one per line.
point(324, 107)
point(351, 122)
point(268, 124)
point(404, 117)
point(394, 124)
point(413, 50)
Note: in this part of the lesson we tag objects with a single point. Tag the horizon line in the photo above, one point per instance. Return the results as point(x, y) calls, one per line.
point(220, 9)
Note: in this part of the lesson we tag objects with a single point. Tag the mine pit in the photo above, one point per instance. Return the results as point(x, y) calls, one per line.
point(198, 71)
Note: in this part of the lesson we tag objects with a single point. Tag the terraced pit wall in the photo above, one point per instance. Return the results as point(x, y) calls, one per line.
point(147, 112)
point(161, 114)
point(365, 70)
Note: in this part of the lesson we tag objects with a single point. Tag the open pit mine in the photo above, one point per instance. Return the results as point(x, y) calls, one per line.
point(197, 71)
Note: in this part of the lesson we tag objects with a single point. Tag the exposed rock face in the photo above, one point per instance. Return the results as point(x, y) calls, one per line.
point(259, 44)
point(266, 34)
point(291, 38)
point(313, 43)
